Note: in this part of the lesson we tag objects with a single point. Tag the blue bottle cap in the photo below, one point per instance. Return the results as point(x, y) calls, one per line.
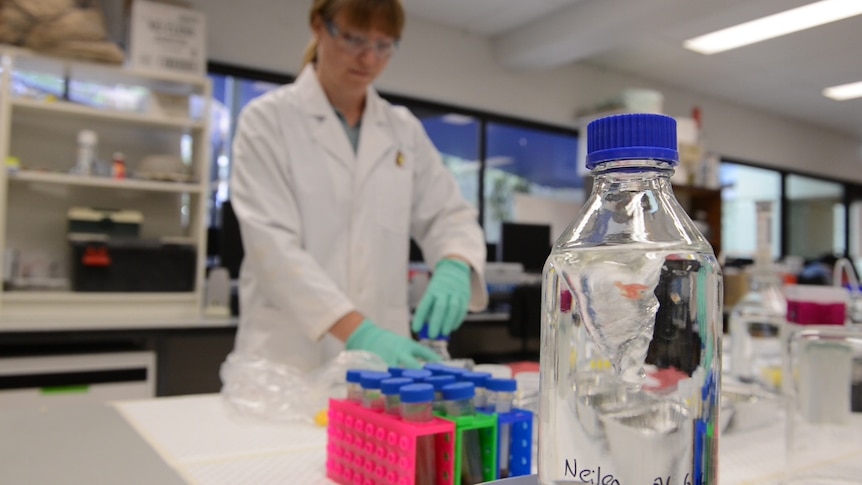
point(423, 334)
point(391, 386)
point(417, 374)
point(439, 381)
point(501, 385)
point(353, 375)
point(439, 369)
point(459, 391)
point(479, 379)
point(372, 379)
point(395, 371)
point(638, 136)
point(417, 393)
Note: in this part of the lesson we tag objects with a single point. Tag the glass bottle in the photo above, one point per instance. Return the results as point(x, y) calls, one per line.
point(631, 360)
point(757, 322)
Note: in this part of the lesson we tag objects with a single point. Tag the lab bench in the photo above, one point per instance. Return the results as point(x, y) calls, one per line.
point(200, 439)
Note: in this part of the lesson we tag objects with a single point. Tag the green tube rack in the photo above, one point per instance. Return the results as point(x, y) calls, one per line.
point(486, 425)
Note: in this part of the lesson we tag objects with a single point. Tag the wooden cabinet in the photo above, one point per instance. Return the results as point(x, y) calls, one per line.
point(700, 201)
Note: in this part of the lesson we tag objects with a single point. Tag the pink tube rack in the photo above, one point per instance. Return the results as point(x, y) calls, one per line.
point(371, 448)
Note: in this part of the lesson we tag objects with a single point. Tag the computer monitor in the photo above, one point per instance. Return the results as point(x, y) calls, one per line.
point(528, 244)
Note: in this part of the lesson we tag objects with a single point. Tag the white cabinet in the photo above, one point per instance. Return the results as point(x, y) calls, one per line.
point(44, 103)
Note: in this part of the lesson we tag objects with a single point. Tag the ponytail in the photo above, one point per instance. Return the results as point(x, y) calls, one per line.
point(310, 54)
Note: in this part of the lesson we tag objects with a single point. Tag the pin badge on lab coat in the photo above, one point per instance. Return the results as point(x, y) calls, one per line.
point(399, 159)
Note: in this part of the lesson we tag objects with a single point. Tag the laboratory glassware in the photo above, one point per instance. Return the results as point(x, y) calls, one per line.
point(757, 322)
point(630, 372)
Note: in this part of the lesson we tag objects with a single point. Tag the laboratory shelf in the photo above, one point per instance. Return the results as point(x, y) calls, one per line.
point(66, 108)
point(104, 182)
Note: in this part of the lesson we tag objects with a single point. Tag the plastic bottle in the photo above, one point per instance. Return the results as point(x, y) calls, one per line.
point(440, 344)
point(354, 386)
point(459, 401)
point(372, 397)
point(438, 382)
point(87, 143)
point(391, 388)
point(416, 407)
point(757, 322)
point(479, 379)
point(646, 296)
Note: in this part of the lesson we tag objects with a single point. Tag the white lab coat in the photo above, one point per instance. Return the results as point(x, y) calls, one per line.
point(326, 230)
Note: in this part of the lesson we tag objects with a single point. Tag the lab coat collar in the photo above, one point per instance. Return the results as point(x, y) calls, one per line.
point(326, 129)
point(376, 137)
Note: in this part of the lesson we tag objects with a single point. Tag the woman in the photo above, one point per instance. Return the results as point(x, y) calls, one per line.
point(329, 183)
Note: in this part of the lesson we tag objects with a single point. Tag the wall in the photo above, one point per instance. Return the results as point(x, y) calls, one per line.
point(446, 65)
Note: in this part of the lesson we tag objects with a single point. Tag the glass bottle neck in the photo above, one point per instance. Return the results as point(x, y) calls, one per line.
point(632, 175)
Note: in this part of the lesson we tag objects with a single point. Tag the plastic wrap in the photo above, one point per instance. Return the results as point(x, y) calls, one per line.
point(259, 388)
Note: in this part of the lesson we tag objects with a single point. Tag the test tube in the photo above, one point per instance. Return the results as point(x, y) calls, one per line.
point(354, 387)
point(459, 402)
point(372, 398)
point(502, 394)
point(418, 375)
point(479, 379)
point(417, 407)
point(438, 382)
point(390, 388)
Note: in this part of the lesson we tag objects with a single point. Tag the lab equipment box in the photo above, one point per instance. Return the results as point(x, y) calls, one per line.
point(109, 222)
point(132, 265)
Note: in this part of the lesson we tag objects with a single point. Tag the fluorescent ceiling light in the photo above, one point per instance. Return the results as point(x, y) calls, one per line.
point(844, 91)
point(783, 23)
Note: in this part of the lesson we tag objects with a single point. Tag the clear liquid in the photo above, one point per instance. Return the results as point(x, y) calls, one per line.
point(630, 373)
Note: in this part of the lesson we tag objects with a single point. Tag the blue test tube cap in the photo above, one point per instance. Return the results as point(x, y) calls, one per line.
point(372, 379)
point(395, 371)
point(392, 386)
point(479, 379)
point(417, 374)
point(417, 393)
point(354, 375)
point(501, 385)
point(459, 391)
point(439, 381)
point(443, 369)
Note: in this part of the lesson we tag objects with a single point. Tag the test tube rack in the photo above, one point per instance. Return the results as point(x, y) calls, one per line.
point(520, 442)
point(366, 447)
point(486, 424)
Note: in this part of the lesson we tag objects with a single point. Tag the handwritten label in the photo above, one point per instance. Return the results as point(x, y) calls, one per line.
point(669, 481)
point(589, 475)
point(594, 476)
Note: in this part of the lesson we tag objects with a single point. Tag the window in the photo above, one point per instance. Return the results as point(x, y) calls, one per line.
point(531, 176)
point(745, 186)
point(816, 217)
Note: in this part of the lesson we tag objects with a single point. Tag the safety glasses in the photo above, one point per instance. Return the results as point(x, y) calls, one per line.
point(357, 44)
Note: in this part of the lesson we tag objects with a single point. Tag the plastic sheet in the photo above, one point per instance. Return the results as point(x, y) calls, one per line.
point(259, 388)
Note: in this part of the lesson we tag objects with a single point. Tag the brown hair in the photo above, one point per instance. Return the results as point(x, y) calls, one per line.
point(385, 15)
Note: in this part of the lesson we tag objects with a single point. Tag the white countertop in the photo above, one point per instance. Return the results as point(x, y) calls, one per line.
point(205, 442)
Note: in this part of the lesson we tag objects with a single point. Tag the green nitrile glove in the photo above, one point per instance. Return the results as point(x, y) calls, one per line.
point(446, 300)
point(395, 350)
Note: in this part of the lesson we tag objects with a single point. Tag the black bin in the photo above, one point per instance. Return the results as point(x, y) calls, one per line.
point(132, 266)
